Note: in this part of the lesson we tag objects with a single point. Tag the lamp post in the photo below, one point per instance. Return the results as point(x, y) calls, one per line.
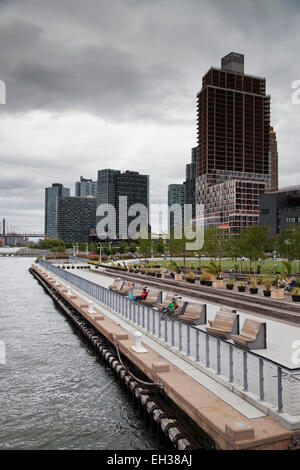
point(100, 251)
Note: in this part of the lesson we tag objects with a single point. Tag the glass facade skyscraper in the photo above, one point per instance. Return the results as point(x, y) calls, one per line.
point(85, 187)
point(52, 195)
point(76, 218)
point(113, 185)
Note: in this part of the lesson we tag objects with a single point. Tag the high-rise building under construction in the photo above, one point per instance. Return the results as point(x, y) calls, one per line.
point(233, 165)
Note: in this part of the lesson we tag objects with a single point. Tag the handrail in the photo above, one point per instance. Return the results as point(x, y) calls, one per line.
point(279, 383)
point(259, 356)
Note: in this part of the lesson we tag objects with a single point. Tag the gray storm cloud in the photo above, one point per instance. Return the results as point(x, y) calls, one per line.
point(93, 83)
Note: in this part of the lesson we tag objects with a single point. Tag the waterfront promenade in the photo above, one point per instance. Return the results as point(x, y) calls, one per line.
point(230, 396)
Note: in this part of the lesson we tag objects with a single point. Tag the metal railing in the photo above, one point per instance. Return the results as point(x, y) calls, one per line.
point(267, 380)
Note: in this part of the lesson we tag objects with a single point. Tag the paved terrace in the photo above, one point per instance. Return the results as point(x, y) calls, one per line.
point(207, 402)
point(279, 341)
point(280, 334)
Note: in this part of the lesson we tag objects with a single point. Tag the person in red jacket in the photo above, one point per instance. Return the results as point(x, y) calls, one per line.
point(142, 296)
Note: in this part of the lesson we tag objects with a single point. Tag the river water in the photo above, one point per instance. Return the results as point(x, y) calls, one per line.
point(54, 393)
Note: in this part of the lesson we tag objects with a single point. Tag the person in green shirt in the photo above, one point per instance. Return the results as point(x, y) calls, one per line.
point(170, 309)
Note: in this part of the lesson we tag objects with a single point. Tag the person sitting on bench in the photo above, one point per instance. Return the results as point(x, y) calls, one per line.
point(130, 292)
point(142, 296)
point(170, 309)
point(291, 285)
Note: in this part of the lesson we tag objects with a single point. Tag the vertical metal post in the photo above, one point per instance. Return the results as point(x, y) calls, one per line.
point(230, 363)
point(218, 357)
point(148, 319)
point(279, 389)
point(135, 312)
point(143, 316)
point(138, 314)
point(153, 322)
point(197, 346)
point(159, 326)
point(180, 335)
point(188, 340)
point(166, 329)
point(245, 370)
point(207, 351)
point(172, 332)
point(261, 379)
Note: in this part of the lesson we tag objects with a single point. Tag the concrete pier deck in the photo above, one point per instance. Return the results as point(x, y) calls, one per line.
point(284, 309)
point(280, 333)
point(229, 420)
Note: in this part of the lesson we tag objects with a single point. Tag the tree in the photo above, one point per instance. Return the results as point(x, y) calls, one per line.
point(123, 247)
point(93, 246)
point(81, 246)
point(254, 242)
point(159, 247)
point(50, 243)
point(132, 247)
point(287, 244)
point(145, 244)
point(215, 240)
point(177, 246)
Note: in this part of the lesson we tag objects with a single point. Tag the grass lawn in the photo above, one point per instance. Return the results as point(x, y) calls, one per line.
point(268, 266)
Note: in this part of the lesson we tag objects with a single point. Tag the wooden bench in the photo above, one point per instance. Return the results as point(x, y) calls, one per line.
point(153, 298)
point(253, 335)
point(224, 310)
point(125, 288)
point(137, 291)
point(224, 325)
point(169, 298)
point(116, 285)
point(194, 313)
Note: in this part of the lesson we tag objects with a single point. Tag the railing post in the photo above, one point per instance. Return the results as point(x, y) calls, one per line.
point(148, 319)
point(218, 357)
point(180, 335)
point(172, 332)
point(188, 340)
point(279, 389)
point(230, 363)
point(159, 326)
point(245, 371)
point(143, 316)
point(207, 351)
point(153, 322)
point(197, 346)
point(138, 314)
point(166, 329)
point(261, 380)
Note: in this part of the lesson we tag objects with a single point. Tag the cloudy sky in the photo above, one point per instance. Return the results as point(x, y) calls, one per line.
point(97, 84)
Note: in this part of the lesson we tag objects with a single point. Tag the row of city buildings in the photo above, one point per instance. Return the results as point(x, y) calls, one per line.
point(74, 219)
point(232, 175)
